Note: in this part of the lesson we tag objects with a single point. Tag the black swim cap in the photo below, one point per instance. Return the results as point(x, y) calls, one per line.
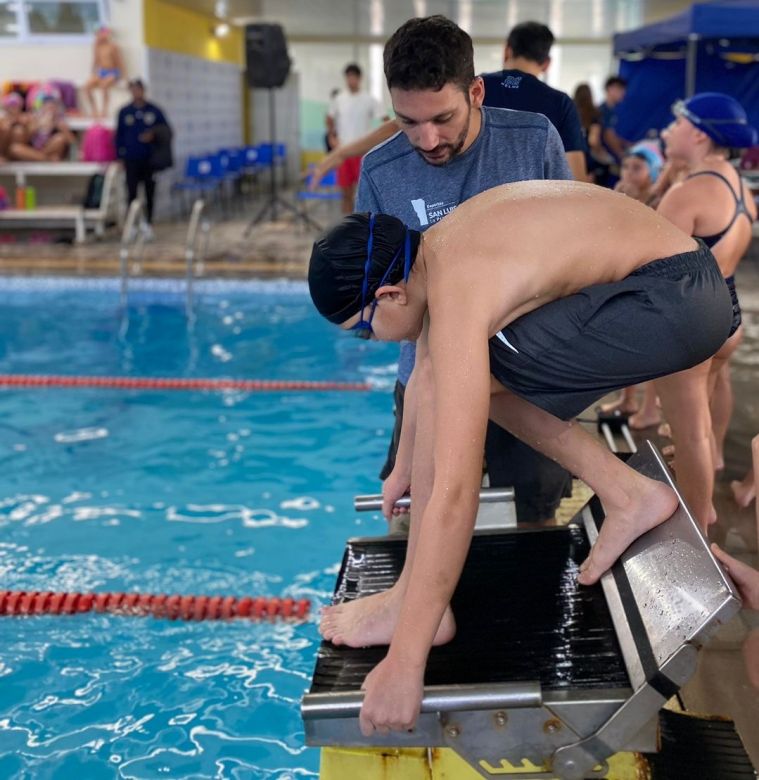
point(339, 257)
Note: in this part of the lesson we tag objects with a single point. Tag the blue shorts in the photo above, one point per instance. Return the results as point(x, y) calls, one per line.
point(666, 316)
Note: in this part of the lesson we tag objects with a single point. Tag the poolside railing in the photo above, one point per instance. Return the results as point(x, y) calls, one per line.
point(131, 236)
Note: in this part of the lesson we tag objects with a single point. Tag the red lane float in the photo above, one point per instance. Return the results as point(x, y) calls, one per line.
point(175, 607)
point(169, 383)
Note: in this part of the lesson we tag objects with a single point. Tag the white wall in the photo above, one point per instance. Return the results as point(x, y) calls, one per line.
point(320, 66)
point(201, 100)
point(72, 60)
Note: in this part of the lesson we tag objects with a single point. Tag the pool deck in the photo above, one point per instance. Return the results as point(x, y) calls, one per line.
point(281, 249)
point(272, 249)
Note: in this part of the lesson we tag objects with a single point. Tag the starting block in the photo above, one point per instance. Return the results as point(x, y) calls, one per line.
point(545, 678)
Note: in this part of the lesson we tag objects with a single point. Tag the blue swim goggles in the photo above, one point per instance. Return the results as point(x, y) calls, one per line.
point(363, 328)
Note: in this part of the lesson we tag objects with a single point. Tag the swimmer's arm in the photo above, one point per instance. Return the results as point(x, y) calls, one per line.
point(678, 207)
point(460, 370)
point(356, 148)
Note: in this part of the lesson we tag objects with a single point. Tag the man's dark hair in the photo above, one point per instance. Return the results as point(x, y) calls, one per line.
point(615, 81)
point(352, 68)
point(429, 53)
point(531, 41)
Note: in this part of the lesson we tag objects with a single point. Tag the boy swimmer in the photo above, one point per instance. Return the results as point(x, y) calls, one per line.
point(514, 299)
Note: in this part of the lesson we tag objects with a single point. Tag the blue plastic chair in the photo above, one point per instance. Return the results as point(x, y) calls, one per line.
point(198, 179)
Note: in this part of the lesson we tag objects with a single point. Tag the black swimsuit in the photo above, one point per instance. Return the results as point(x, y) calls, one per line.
point(710, 241)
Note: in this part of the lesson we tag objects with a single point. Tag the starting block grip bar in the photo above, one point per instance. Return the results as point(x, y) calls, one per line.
point(373, 503)
point(437, 698)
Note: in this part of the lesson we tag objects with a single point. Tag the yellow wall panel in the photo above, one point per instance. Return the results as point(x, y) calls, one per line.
point(182, 31)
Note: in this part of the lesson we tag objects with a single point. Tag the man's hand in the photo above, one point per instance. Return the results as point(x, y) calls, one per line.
point(746, 578)
point(333, 160)
point(393, 697)
point(147, 137)
point(393, 488)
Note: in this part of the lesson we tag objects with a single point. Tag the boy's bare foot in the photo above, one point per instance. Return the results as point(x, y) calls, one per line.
point(652, 503)
point(744, 492)
point(371, 621)
point(644, 419)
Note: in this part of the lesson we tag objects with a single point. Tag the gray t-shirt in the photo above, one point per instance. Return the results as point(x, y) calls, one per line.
point(511, 146)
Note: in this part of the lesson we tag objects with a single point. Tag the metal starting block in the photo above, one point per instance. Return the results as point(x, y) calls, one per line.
point(543, 673)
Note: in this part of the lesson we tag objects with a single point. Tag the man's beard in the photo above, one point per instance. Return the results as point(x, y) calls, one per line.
point(439, 155)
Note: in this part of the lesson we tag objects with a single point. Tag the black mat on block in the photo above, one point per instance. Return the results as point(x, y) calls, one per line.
point(521, 616)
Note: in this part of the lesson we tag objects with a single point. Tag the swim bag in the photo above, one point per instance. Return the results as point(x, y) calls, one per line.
point(98, 145)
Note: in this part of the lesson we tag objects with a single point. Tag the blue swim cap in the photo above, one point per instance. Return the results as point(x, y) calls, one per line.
point(720, 116)
point(650, 157)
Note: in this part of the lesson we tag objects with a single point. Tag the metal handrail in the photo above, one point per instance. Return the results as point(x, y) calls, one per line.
point(373, 503)
point(195, 252)
point(131, 236)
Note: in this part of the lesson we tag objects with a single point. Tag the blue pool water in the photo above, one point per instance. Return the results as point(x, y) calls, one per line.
point(176, 492)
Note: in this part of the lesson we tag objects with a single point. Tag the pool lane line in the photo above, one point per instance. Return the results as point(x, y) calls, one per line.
point(174, 607)
point(170, 383)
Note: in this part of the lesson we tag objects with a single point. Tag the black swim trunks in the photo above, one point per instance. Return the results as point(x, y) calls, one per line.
point(666, 316)
point(737, 316)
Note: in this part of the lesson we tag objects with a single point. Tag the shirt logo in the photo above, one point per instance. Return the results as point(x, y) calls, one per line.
point(432, 213)
point(511, 82)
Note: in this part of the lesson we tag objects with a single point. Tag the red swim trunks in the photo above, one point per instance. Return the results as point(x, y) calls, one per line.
point(348, 172)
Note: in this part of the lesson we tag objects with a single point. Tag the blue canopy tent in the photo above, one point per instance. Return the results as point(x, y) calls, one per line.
point(711, 47)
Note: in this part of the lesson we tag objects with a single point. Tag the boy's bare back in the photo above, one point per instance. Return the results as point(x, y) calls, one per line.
point(519, 246)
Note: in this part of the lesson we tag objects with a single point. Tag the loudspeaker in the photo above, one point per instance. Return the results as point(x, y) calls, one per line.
point(266, 55)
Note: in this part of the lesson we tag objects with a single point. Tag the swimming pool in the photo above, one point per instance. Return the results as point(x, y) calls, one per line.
point(223, 493)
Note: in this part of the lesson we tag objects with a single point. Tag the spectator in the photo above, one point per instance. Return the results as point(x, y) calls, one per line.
point(14, 123)
point(518, 86)
point(107, 69)
point(48, 138)
point(614, 91)
point(351, 115)
point(597, 159)
point(136, 133)
point(641, 167)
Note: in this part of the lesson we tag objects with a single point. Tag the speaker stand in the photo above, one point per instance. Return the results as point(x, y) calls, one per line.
point(270, 209)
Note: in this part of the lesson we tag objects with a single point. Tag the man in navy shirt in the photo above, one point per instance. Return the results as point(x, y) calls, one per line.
point(518, 86)
point(135, 145)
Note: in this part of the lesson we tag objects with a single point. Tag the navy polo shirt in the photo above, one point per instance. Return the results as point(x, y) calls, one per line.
point(132, 123)
point(522, 91)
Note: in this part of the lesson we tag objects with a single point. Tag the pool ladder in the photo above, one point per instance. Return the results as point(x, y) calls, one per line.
point(132, 237)
point(196, 246)
point(133, 240)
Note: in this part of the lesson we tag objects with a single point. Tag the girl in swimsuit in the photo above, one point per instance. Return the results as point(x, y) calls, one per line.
point(50, 136)
point(14, 123)
point(714, 205)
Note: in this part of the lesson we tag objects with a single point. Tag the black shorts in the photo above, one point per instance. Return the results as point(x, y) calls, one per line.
point(666, 316)
point(737, 316)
